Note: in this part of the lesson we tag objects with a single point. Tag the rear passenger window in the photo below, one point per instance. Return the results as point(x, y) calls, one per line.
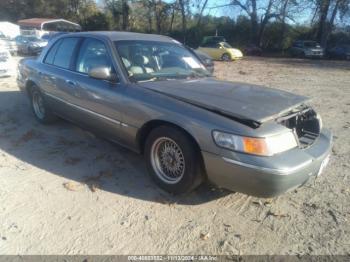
point(64, 52)
point(52, 52)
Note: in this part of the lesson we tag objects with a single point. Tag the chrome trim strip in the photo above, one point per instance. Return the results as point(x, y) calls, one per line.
point(61, 68)
point(84, 109)
point(284, 171)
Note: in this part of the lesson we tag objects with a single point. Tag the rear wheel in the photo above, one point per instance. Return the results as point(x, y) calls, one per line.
point(172, 160)
point(41, 111)
point(226, 57)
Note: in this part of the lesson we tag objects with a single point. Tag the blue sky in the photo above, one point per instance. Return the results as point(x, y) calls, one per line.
point(233, 12)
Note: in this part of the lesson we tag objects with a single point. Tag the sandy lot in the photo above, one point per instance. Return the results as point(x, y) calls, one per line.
point(64, 191)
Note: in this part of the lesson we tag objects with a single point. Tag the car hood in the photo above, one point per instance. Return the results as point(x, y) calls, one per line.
point(237, 100)
point(39, 43)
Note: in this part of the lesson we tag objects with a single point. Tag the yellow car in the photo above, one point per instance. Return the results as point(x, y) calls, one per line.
point(221, 51)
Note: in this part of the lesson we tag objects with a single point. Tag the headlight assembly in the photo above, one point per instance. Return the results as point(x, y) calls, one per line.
point(265, 146)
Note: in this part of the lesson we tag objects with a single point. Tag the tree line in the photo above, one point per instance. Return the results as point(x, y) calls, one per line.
point(270, 24)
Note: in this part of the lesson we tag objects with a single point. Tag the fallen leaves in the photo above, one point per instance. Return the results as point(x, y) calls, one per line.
point(93, 187)
point(71, 186)
point(26, 137)
point(275, 214)
point(334, 217)
point(164, 201)
point(93, 182)
point(266, 202)
point(205, 236)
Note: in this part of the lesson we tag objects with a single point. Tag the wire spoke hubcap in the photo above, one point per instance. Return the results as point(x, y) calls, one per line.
point(167, 160)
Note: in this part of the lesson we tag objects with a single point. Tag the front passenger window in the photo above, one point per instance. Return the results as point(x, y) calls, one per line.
point(93, 54)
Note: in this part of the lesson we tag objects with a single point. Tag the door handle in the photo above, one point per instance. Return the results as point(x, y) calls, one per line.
point(71, 83)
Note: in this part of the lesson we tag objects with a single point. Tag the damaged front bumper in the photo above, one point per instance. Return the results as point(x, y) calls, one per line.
point(268, 176)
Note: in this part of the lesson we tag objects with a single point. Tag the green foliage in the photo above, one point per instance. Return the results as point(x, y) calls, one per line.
point(168, 17)
point(96, 22)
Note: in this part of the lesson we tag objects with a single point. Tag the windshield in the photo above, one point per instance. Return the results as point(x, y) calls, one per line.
point(154, 61)
point(311, 44)
point(32, 39)
point(226, 45)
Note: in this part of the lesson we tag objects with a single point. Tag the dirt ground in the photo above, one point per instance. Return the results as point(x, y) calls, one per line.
point(64, 191)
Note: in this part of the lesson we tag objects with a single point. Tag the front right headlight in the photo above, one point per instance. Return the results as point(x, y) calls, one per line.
point(262, 146)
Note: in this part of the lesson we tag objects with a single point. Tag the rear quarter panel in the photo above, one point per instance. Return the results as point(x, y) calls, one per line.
point(27, 72)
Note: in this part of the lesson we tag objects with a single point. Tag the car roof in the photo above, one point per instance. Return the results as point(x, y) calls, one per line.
point(120, 36)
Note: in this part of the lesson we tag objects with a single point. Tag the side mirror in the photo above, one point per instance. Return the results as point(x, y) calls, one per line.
point(103, 73)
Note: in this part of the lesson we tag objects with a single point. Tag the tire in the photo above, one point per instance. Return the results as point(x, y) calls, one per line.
point(39, 107)
point(183, 160)
point(226, 57)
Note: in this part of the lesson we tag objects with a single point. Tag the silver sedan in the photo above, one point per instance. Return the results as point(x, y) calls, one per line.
point(151, 94)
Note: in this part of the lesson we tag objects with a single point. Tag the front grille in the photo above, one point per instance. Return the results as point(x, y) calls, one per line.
point(305, 125)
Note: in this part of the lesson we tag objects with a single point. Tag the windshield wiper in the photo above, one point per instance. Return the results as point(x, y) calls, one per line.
point(198, 74)
point(153, 77)
point(148, 80)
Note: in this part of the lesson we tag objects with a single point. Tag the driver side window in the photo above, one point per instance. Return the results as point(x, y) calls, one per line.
point(93, 54)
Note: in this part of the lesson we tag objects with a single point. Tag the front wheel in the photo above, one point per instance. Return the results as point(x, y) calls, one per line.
point(41, 111)
point(226, 57)
point(172, 160)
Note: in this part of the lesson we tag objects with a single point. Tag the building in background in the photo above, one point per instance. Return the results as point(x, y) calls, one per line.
point(41, 26)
